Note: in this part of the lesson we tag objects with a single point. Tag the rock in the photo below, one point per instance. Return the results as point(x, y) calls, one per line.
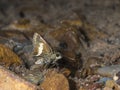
point(55, 81)
point(107, 88)
point(116, 78)
point(10, 81)
point(20, 25)
point(94, 86)
point(108, 70)
point(104, 80)
point(110, 84)
point(8, 57)
point(13, 35)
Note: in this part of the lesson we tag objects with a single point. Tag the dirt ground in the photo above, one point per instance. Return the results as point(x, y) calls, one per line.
point(84, 32)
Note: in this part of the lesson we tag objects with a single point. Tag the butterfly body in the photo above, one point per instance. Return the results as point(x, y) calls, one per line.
point(43, 52)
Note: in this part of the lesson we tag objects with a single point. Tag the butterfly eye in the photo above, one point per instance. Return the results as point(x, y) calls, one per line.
point(58, 56)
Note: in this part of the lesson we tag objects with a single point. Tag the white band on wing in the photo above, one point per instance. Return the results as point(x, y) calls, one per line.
point(40, 49)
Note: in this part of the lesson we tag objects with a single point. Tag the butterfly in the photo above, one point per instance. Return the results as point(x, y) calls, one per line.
point(42, 50)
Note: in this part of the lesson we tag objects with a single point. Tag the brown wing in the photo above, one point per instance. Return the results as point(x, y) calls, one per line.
point(40, 45)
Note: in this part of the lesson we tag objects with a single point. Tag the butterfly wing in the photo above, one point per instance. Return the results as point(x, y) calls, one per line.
point(40, 46)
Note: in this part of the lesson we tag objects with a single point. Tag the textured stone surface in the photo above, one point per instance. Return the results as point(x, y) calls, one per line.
point(55, 81)
point(9, 81)
point(109, 70)
point(8, 57)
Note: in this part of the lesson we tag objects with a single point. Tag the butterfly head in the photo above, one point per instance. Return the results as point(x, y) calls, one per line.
point(56, 56)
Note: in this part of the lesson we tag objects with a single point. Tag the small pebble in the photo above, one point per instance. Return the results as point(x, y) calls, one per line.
point(104, 80)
